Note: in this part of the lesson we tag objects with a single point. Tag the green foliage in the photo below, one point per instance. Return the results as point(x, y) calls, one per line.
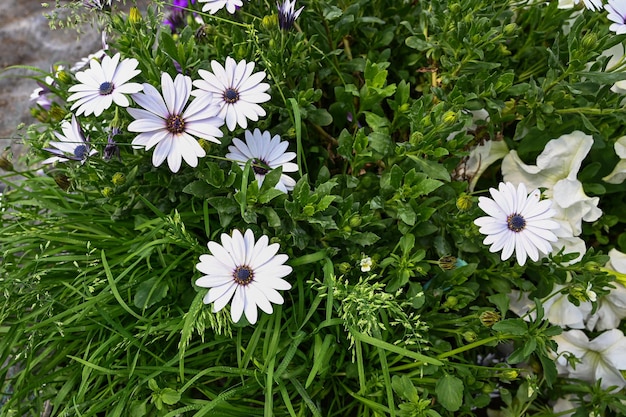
point(397, 308)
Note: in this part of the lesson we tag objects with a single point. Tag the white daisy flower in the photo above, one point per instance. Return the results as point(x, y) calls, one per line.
point(617, 14)
point(265, 154)
point(517, 221)
point(249, 272)
point(72, 146)
point(236, 90)
point(170, 126)
point(213, 6)
point(104, 83)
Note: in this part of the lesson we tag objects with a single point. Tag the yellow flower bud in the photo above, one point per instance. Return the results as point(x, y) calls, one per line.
point(134, 16)
point(118, 179)
point(107, 192)
point(270, 22)
point(464, 202)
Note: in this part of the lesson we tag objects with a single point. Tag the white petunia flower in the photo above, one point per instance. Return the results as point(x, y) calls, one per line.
point(601, 359)
point(104, 83)
point(517, 222)
point(618, 175)
point(213, 6)
point(170, 124)
point(617, 14)
point(236, 89)
point(612, 306)
point(265, 154)
point(72, 146)
point(249, 272)
point(556, 170)
point(562, 312)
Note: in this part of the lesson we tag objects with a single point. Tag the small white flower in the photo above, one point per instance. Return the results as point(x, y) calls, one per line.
point(601, 359)
point(617, 14)
point(589, 4)
point(171, 125)
point(213, 6)
point(72, 146)
point(104, 83)
point(265, 154)
point(366, 264)
point(249, 272)
point(236, 89)
point(517, 222)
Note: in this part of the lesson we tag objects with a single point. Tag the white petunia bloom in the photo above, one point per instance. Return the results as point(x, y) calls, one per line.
point(560, 311)
point(618, 175)
point(612, 306)
point(170, 124)
point(72, 144)
point(249, 272)
point(601, 359)
point(236, 89)
point(481, 157)
point(265, 153)
point(104, 83)
point(556, 170)
point(517, 222)
point(617, 14)
point(213, 6)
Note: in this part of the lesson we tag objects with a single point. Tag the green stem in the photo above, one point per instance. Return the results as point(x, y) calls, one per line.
point(474, 345)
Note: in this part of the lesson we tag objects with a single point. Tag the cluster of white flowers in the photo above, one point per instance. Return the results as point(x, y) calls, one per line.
point(171, 120)
point(601, 358)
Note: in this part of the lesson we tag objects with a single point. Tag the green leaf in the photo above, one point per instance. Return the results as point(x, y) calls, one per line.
point(516, 327)
point(149, 293)
point(431, 168)
point(449, 390)
point(170, 396)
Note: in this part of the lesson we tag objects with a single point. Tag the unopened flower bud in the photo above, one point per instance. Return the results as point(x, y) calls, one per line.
point(107, 192)
point(489, 318)
point(447, 262)
point(450, 117)
point(270, 22)
point(509, 29)
point(355, 221)
point(470, 336)
point(134, 16)
point(308, 210)
point(118, 179)
point(589, 41)
point(464, 202)
point(64, 76)
point(344, 267)
point(56, 113)
point(450, 302)
point(510, 374)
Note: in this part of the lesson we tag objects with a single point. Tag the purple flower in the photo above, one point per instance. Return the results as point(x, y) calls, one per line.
point(286, 14)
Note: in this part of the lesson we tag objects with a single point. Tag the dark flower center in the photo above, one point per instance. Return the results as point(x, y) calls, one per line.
point(260, 167)
point(175, 124)
point(106, 88)
point(231, 95)
point(80, 151)
point(516, 222)
point(243, 275)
